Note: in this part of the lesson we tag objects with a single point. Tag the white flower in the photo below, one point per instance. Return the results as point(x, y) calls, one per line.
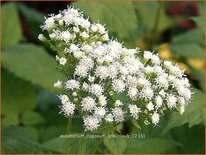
point(101, 28)
point(41, 37)
point(155, 118)
point(118, 114)
point(132, 93)
point(49, 23)
point(155, 59)
point(134, 111)
point(81, 70)
point(102, 72)
point(109, 118)
point(105, 37)
point(66, 36)
point(73, 48)
point(88, 104)
point(150, 106)
point(85, 86)
point(182, 110)
point(118, 85)
point(96, 89)
point(63, 98)
point(94, 28)
point(87, 61)
point(147, 55)
point(162, 81)
point(118, 103)
point(100, 112)
point(58, 84)
point(72, 84)
point(147, 93)
point(62, 61)
point(84, 35)
point(158, 101)
point(79, 54)
point(67, 108)
point(102, 100)
point(52, 36)
point(171, 101)
point(91, 123)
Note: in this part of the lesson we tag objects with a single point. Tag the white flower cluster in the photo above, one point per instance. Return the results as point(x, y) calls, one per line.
point(97, 68)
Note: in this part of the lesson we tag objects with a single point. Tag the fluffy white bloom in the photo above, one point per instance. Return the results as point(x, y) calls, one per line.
point(67, 108)
point(63, 98)
point(62, 61)
point(158, 101)
point(100, 68)
point(150, 106)
point(81, 70)
point(109, 118)
point(58, 84)
point(134, 111)
point(49, 23)
point(66, 36)
point(132, 93)
point(102, 100)
point(147, 93)
point(147, 55)
point(171, 101)
point(118, 85)
point(118, 114)
point(72, 84)
point(91, 123)
point(100, 112)
point(155, 118)
point(102, 72)
point(96, 89)
point(88, 104)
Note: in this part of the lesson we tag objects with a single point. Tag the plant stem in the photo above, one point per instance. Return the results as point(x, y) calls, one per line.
point(68, 131)
point(156, 25)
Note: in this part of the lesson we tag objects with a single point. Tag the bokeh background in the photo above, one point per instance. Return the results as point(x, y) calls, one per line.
point(29, 109)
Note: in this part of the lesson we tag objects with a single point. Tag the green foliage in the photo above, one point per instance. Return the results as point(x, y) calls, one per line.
point(36, 65)
point(32, 118)
point(18, 96)
point(29, 72)
point(116, 17)
point(11, 26)
point(153, 145)
point(18, 140)
point(115, 145)
point(147, 13)
point(193, 115)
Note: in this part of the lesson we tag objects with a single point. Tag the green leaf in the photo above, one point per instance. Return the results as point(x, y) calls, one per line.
point(191, 50)
point(147, 12)
point(11, 119)
point(11, 28)
point(136, 124)
point(200, 21)
point(153, 145)
point(33, 17)
point(193, 36)
point(195, 138)
point(32, 118)
point(18, 140)
point(31, 63)
point(18, 95)
point(119, 18)
point(115, 145)
point(81, 146)
point(55, 145)
point(193, 115)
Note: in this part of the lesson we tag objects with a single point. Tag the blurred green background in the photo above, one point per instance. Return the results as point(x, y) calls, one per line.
point(30, 119)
